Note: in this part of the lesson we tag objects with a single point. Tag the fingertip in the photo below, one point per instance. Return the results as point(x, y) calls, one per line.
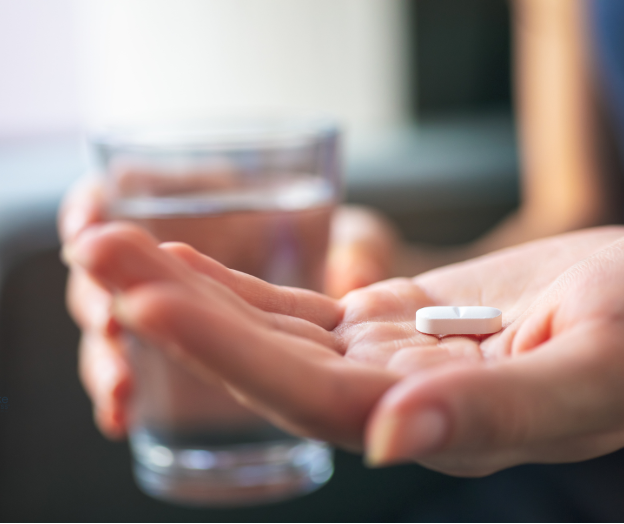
point(84, 246)
point(75, 220)
point(351, 268)
point(82, 207)
point(111, 423)
point(180, 250)
point(379, 441)
point(393, 438)
point(108, 235)
point(117, 254)
point(456, 411)
point(416, 417)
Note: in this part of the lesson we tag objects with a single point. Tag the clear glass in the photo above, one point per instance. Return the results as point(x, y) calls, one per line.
point(256, 195)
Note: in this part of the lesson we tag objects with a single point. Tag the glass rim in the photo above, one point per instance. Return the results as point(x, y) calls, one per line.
point(215, 133)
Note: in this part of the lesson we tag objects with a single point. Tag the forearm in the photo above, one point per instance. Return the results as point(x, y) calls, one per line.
point(563, 184)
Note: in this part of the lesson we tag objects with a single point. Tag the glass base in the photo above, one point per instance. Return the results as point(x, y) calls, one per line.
point(233, 475)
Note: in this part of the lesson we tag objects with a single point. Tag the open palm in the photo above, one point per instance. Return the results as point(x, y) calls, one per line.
point(357, 373)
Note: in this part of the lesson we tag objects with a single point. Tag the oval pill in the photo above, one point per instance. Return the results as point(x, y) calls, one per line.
point(465, 320)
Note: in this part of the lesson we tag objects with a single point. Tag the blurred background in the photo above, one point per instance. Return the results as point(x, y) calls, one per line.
point(423, 90)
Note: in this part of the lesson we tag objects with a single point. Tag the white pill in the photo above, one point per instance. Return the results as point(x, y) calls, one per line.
point(467, 320)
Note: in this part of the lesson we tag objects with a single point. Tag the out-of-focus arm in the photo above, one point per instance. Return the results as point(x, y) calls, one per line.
point(563, 185)
point(564, 181)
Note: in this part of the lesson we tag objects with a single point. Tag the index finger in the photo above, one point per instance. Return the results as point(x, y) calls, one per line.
point(293, 302)
point(82, 206)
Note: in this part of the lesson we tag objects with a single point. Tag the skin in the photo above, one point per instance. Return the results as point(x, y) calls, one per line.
point(486, 410)
point(566, 181)
point(563, 184)
point(362, 248)
point(544, 389)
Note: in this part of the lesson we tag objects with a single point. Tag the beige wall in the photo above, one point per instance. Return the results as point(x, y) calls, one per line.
point(161, 58)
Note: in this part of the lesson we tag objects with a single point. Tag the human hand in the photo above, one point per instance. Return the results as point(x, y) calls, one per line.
point(467, 406)
point(545, 389)
point(103, 368)
point(361, 252)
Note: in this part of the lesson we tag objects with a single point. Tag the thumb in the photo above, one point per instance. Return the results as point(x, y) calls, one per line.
point(559, 403)
point(362, 250)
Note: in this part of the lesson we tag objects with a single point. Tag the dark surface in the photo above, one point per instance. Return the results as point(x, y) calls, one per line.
point(590, 491)
point(449, 226)
point(55, 466)
point(460, 55)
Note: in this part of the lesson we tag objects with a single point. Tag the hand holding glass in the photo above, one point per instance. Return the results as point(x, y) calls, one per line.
point(257, 196)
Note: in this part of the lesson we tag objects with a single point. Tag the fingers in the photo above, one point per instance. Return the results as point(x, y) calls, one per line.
point(551, 405)
point(298, 384)
point(120, 256)
point(89, 303)
point(362, 250)
point(105, 374)
point(83, 205)
point(308, 305)
point(103, 368)
point(448, 351)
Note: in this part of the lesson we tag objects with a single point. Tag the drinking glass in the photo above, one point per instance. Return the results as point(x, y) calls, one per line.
point(257, 195)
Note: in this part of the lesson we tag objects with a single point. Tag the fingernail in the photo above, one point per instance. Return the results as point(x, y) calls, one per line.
point(397, 439)
point(380, 441)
